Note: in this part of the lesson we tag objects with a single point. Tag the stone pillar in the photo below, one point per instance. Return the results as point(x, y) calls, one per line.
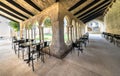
point(71, 33)
point(58, 46)
point(68, 32)
point(21, 30)
point(39, 34)
point(42, 34)
point(75, 32)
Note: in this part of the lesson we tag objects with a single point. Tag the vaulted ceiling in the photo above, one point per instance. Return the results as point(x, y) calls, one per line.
point(85, 10)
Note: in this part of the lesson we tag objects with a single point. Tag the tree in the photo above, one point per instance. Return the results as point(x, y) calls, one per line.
point(15, 26)
point(47, 22)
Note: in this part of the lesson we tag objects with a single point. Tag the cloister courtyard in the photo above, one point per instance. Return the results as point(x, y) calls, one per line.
point(59, 38)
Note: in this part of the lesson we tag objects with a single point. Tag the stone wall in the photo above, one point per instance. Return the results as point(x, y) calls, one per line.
point(112, 18)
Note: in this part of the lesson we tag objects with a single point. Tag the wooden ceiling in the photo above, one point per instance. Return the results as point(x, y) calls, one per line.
point(84, 10)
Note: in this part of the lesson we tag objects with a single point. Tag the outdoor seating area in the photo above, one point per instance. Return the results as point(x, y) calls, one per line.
point(30, 48)
point(59, 38)
point(81, 42)
point(113, 38)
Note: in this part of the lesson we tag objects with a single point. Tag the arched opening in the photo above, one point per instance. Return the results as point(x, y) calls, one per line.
point(46, 29)
point(35, 32)
point(73, 31)
point(66, 29)
point(95, 26)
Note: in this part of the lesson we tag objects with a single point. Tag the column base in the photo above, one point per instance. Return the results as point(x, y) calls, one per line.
point(60, 52)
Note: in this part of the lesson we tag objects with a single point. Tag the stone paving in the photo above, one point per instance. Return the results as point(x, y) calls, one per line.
point(99, 58)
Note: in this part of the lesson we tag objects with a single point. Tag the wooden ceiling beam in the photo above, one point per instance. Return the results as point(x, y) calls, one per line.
point(90, 8)
point(93, 16)
point(12, 10)
point(98, 11)
point(13, 13)
point(16, 8)
point(81, 6)
point(19, 7)
point(26, 6)
point(77, 5)
point(9, 16)
point(33, 5)
point(102, 6)
point(57, 0)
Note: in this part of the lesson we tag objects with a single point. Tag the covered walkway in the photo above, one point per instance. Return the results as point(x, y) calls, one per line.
point(99, 58)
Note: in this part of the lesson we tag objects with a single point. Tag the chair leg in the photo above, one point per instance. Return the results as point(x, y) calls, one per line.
point(42, 58)
point(14, 48)
point(32, 63)
point(18, 52)
point(23, 53)
point(78, 52)
point(49, 52)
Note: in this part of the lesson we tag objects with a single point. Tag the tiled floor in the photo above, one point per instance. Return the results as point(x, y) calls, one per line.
point(100, 58)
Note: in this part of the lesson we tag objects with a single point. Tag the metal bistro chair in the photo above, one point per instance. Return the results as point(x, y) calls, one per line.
point(37, 50)
point(46, 45)
point(78, 45)
point(21, 48)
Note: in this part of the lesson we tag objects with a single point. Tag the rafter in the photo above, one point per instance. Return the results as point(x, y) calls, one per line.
point(93, 13)
point(77, 5)
point(10, 17)
point(89, 8)
point(81, 6)
point(104, 5)
point(15, 8)
point(26, 6)
point(33, 5)
point(12, 12)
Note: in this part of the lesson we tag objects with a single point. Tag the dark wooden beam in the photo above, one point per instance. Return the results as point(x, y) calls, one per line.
point(11, 14)
point(95, 8)
point(97, 11)
point(18, 6)
point(77, 4)
point(93, 17)
point(8, 18)
point(33, 5)
point(11, 9)
point(57, 0)
point(88, 6)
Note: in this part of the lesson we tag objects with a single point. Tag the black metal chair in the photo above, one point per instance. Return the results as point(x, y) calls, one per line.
point(45, 45)
point(21, 48)
point(78, 45)
point(37, 50)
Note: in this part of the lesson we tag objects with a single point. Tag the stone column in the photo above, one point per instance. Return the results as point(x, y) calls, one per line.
point(42, 34)
point(39, 34)
point(68, 32)
point(21, 30)
point(58, 46)
point(75, 32)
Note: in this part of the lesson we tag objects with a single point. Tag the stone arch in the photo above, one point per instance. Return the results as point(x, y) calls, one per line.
point(46, 30)
point(67, 31)
point(77, 30)
point(73, 30)
point(68, 19)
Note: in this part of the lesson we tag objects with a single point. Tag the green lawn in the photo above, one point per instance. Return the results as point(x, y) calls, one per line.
point(48, 37)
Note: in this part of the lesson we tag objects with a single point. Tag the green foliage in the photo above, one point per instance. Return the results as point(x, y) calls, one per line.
point(14, 25)
point(29, 26)
point(47, 22)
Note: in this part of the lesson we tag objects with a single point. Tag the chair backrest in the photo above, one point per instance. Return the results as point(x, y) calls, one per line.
point(45, 44)
point(27, 40)
point(38, 47)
